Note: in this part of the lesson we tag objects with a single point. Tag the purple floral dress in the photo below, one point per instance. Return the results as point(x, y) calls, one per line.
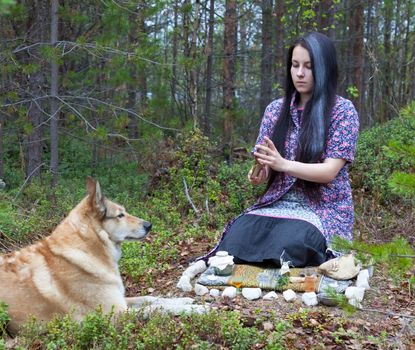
point(334, 206)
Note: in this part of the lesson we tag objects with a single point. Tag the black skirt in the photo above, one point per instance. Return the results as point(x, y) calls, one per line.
point(263, 239)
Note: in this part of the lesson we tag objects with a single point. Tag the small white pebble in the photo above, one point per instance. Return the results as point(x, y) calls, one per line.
point(289, 295)
point(310, 299)
point(252, 293)
point(214, 292)
point(270, 296)
point(201, 290)
point(229, 292)
point(353, 292)
point(184, 284)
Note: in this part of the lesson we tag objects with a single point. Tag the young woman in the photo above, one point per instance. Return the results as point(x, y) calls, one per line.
point(306, 142)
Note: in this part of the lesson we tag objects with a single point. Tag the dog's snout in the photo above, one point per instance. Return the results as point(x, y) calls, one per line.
point(147, 226)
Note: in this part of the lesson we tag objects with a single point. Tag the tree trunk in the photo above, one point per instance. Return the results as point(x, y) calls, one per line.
point(229, 75)
point(174, 58)
point(266, 56)
point(279, 46)
point(209, 68)
point(193, 85)
point(1, 147)
point(54, 87)
point(356, 21)
point(142, 42)
point(387, 89)
point(325, 17)
point(186, 53)
point(37, 34)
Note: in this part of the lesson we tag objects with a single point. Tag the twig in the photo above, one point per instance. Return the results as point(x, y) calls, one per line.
point(388, 313)
point(27, 179)
point(186, 190)
point(207, 206)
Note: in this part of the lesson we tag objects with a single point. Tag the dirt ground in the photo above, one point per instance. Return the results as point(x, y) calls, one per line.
point(381, 324)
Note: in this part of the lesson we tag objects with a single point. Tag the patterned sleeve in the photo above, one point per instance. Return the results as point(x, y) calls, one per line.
point(271, 115)
point(343, 132)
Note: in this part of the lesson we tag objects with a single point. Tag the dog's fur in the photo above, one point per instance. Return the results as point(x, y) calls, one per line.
point(75, 269)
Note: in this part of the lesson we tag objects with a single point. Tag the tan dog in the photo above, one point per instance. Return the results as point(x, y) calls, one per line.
point(75, 269)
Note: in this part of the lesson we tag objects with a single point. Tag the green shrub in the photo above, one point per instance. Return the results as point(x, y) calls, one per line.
point(4, 317)
point(375, 162)
point(96, 331)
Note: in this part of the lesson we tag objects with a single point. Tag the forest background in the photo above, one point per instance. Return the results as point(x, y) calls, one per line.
point(162, 100)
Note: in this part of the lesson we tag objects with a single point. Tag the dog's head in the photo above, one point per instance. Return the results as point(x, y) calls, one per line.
point(113, 217)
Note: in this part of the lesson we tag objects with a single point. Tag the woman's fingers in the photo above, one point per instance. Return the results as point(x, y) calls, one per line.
point(270, 143)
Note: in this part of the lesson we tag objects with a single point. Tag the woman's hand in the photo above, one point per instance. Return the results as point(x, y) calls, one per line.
point(269, 156)
point(261, 177)
point(324, 172)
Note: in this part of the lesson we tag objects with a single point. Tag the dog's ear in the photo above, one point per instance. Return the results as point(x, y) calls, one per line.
point(95, 196)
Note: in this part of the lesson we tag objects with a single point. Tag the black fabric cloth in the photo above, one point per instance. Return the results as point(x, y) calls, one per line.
point(262, 239)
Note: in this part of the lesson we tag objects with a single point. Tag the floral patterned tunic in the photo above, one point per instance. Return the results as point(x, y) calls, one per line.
point(334, 207)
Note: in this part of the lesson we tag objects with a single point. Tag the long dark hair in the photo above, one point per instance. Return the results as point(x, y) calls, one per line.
point(316, 114)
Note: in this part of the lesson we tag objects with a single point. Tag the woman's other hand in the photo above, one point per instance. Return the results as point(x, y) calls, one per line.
point(268, 155)
point(324, 172)
point(261, 177)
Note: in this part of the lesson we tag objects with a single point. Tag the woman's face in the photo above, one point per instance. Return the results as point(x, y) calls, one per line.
point(301, 72)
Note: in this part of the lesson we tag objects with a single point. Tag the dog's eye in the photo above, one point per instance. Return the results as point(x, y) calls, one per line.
point(119, 216)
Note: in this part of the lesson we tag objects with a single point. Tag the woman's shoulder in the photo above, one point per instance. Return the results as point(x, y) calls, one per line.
point(343, 104)
point(274, 108)
point(276, 103)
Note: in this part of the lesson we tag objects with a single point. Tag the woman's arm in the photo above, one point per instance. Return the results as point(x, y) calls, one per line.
point(315, 172)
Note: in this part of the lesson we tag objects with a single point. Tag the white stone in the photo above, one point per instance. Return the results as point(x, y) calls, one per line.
point(356, 293)
point(196, 268)
point(214, 292)
point(201, 290)
point(289, 295)
point(175, 306)
point(229, 292)
point(310, 299)
point(363, 279)
point(184, 284)
point(137, 302)
point(270, 296)
point(252, 293)
point(355, 303)
point(222, 263)
point(149, 304)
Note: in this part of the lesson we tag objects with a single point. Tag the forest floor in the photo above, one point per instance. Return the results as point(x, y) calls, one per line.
point(379, 325)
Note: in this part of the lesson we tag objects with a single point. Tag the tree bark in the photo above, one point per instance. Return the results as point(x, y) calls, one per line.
point(1, 147)
point(386, 82)
point(279, 46)
point(54, 87)
point(209, 69)
point(325, 17)
point(356, 22)
point(174, 57)
point(266, 56)
point(229, 75)
point(142, 42)
point(193, 85)
point(38, 14)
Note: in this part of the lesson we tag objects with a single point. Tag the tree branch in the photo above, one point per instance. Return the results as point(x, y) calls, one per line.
point(186, 190)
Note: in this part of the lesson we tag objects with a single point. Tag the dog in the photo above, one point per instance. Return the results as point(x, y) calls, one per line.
point(75, 269)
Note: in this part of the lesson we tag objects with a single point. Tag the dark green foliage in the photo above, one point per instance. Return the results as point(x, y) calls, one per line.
point(383, 150)
point(397, 256)
point(403, 183)
point(160, 331)
point(4, 318)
